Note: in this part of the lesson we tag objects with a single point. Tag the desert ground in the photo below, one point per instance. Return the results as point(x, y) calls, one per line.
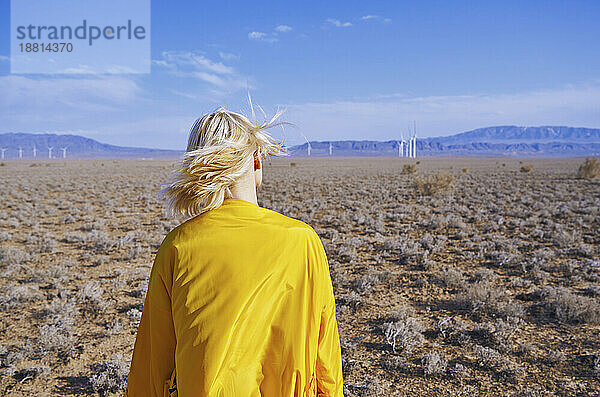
point(452, 276)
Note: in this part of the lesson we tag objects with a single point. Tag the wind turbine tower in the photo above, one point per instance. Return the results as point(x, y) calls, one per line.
point(20, 152)
point(50, 151)
point(64, 150)
point(307, 144)
point(401, 146)
point(34, 151)
point(3, 151)
point(409, 144)
point(330, 149)
point(414, 139)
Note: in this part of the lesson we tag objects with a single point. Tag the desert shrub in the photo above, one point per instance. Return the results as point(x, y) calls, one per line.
point(15, 296)
point(369, 387)
point(134, 315)
point(451, 277)
point(109, 376)
point(435, 221)
point(408, 169)
point(432, 244)
point(57, 338)
point(433, 185)
point(482, 297)
point(485, 275)
point(97, 224)
point(67, 219)
point(91, 298)
point(434, 364)
point(13, 256)
point(5, 236)
point(567, 307)
point(590, 169)
point(394, 363)
point(407, 251)
point(367, 282)
point(133, 253)
point(504, 331)
point(407, 333)
point(556, 357)
point(490, 358)
point(55, 275)
point(61, 307)
point(526, 168)
point(97, 241)
point(449, 327)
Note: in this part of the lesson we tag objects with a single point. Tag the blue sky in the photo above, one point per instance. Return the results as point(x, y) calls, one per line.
point(342, 69)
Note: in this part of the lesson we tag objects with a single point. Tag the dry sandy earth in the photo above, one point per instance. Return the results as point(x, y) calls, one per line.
point(491, 286)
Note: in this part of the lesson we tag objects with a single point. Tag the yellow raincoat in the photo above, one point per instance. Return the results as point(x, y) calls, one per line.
point(239, 303)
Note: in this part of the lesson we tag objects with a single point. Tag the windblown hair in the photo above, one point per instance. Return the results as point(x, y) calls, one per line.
point(220, 150)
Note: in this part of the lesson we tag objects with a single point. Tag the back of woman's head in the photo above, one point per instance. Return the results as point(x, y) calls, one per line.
point(220, 150)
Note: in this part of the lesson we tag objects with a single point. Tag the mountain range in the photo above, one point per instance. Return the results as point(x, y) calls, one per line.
point(76, 147)
point(544, 141)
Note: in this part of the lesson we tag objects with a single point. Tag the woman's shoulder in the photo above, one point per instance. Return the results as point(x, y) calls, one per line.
point(289, 222)
point(265, 220)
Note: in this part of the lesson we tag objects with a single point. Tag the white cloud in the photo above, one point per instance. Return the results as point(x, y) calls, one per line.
point(372, 17)
point(67, 93)
point(225, 79)
point(227, 56)
point(184, 94)
point(283, 28)
point(337, 23)
point(384, 119)
point(262, 36)
point(174, 59)
point(60, 103)
point(256, 35)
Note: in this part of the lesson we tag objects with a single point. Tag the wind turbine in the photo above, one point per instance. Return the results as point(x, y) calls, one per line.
point(20, 152)
point(401, 146)
point(34, 151)
point(64, 150)
point(415, 139)
point(308, 148)
point(3, 150)
point(50, 151)
point(409, 143)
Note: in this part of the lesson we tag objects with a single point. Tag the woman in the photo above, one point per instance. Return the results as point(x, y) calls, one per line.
point(240, 300)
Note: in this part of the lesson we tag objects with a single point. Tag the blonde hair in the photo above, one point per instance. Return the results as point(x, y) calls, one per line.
point(220, 150)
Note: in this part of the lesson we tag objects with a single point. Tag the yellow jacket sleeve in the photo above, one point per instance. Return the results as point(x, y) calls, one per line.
point(329, 357)
point(153, 358)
